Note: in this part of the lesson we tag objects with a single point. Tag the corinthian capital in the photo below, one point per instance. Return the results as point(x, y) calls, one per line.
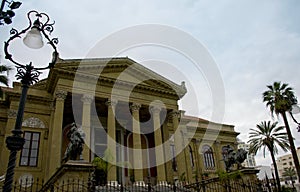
point(155, 109)
point(111, 102)
point(61, 94)
point(87, 98)
point(135, 106)
point(175, 114)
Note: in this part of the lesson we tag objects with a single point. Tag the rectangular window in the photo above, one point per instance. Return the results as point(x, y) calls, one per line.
point(100, 141)
point(173, 155)
point(30, 151)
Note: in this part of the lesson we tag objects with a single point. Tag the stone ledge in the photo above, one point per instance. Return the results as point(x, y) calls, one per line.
point(70, 170)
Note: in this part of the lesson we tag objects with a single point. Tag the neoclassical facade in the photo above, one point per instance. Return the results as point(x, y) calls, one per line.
point(123, 108)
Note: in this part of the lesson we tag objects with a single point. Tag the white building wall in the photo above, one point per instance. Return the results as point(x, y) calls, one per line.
point(284, 162)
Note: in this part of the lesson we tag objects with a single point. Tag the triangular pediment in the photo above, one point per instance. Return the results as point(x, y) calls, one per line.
point(120, 71)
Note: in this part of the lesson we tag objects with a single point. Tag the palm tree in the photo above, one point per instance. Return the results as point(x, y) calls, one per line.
point(290, 173)
point(268, 135)
point(3, 78)
point(280, 98)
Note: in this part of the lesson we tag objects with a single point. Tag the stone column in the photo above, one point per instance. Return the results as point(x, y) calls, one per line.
point(159, 151)
point(111, 140)
point(178, 141)
point(86, 125)
point(137, 144)
point(56, 140)
point(168, 156)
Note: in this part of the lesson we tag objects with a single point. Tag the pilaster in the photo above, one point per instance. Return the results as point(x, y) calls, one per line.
point(218, 155)
point(178, 141)
point(188, 166)
point(56, 129)
point(198, 166)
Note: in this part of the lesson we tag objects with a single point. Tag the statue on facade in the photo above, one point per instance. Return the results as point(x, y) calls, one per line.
point(233, 157)
point(229, 158)
point(75, 146)
point(240, 157)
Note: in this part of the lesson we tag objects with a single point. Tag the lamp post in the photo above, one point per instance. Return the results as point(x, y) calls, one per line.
point(28, 74)
point(7, 15)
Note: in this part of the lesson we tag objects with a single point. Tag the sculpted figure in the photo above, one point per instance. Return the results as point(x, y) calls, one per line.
point(75, 146)
point(240, 157)
point(229, 158)
point(233, 157)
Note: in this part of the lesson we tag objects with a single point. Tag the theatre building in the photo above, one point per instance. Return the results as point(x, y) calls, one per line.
point(122, 107)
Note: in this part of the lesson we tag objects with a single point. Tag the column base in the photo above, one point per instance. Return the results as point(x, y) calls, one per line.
point(113, 183)
point(139, 183)
point(163, 183)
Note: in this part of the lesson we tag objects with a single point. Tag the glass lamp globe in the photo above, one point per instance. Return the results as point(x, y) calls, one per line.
point(33, 39)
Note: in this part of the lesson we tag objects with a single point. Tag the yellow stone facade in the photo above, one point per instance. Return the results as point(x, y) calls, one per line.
point(127, 109)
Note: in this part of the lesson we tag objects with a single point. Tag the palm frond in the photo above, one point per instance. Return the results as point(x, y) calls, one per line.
point(268, 135)
point(279, 97)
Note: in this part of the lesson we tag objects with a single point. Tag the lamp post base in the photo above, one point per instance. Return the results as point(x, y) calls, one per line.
point(14, 143)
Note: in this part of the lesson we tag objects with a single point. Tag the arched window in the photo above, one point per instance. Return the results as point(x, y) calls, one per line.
point(30, 152)
point(224, 152)
point(33, 122)
point(173, 153)
point(208, 157)
point(191, 156)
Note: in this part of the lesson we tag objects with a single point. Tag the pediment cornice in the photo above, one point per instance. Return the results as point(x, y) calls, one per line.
point(110, 68)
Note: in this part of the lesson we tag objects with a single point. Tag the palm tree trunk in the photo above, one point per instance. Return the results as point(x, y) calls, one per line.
point(292, 145)
point(275, 167)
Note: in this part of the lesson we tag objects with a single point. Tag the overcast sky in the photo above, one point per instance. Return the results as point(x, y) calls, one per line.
point(253, 43)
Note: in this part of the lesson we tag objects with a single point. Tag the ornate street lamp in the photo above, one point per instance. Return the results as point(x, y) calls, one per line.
point(7, 15)
point(28, 74)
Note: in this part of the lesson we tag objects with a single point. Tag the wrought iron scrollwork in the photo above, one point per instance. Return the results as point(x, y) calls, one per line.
point(27, 73)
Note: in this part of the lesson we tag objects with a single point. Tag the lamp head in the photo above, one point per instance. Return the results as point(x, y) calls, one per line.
point(33, 38)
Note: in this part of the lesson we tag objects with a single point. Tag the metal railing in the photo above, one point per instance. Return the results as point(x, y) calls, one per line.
point(79, 185)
